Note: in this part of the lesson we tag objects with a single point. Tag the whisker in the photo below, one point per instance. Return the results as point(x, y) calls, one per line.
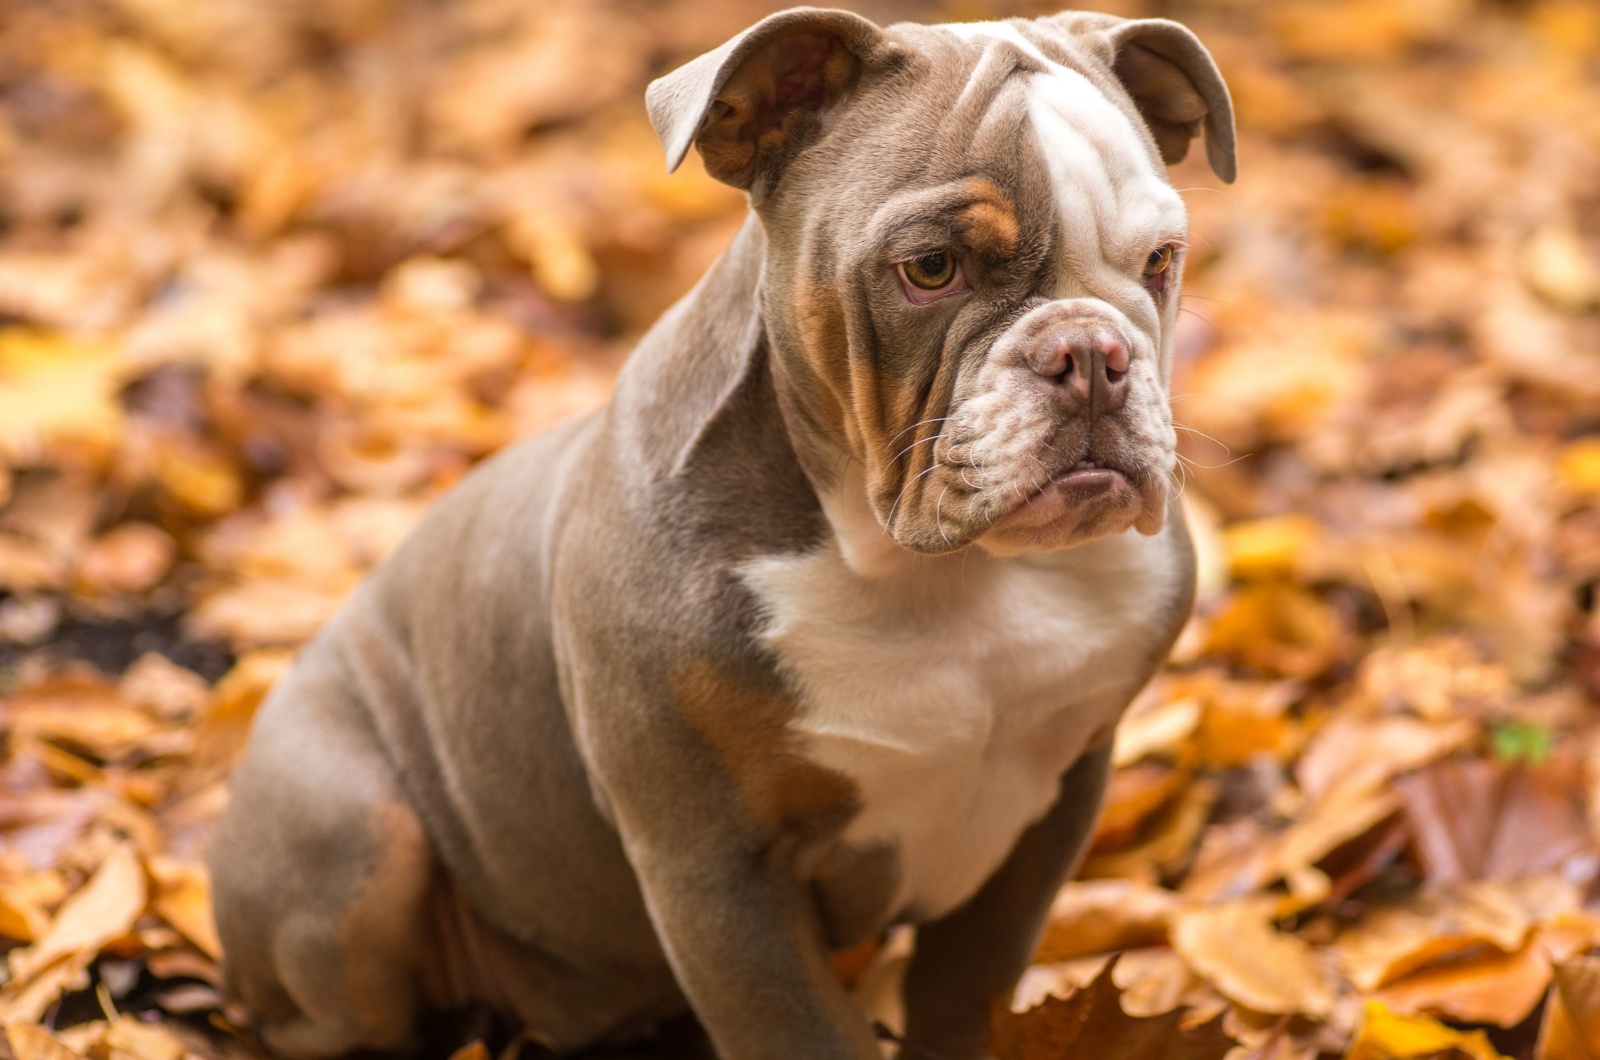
point(1202, 318)
point(1202, 434)
point(888, 521)
point(914, 426)
point(913, 445)
point(1214, 191)
point(1210, 467)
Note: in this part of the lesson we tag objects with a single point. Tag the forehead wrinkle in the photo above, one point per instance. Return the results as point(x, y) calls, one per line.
point(1107, 193)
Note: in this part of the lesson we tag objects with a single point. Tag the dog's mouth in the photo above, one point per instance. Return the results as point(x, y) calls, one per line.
point(1086, 481)
point(1090, 478)
point(1090, 491)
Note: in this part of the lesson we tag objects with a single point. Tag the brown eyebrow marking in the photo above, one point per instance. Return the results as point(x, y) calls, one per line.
point(989, 220)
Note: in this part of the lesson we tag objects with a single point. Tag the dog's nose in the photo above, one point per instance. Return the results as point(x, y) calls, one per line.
point(1083, 358)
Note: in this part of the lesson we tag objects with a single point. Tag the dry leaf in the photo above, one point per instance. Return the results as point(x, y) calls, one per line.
point(1235, 948)
point(1091, 1022)
point(30, 1041)
point(183, 899)
point(1098, 916)
point(1476, 820)
point(1571, 1027)
point(1386, 1035)
point(105, 908)
point(132, 558)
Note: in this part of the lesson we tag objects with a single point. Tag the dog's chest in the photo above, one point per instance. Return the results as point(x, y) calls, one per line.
point(953, 695)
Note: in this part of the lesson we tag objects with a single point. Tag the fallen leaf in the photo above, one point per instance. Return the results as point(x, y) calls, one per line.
point(105, 908)
point(1277, 628)
point(1235, 948)
point(1571, 1027)
point(1091, 1022)
point(56, 390)
point(183, 899)
point(1153, 729)
point(1357, 753)
point(29, 1041)
point(132, 558)
point(1098, 916)
point(1474, 819)
point(1387, 1035)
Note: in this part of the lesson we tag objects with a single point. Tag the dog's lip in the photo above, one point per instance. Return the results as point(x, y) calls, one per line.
point(1086, 479)
point(1084, 483)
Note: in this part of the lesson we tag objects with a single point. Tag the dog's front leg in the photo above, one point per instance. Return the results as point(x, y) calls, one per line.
point(745, 944)
point(973, 957)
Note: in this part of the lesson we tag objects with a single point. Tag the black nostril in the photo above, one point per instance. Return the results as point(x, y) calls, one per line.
point(1114, 376)
point(1067, 368)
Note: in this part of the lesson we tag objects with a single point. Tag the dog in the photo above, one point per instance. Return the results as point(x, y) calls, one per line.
point(822, 625)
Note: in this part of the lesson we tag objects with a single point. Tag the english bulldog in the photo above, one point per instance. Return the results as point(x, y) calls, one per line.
point(821, 626)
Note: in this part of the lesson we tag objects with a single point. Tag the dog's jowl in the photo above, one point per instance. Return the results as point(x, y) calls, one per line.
point(821, 626)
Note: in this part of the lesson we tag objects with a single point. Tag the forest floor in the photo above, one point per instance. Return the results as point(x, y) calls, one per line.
point(273, 275)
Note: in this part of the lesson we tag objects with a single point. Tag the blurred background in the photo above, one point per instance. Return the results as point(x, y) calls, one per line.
point(275, 274)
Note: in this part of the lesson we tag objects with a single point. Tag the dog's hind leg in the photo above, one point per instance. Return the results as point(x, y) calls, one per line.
point(321, 875)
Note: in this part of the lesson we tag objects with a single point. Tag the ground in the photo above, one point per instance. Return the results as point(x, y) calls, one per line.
point(273, 275)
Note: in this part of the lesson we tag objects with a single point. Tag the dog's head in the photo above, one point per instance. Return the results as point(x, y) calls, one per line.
point(973, 258)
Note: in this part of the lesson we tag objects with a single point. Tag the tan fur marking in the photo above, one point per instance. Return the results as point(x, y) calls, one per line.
point(383, 925)
point(989, 223)
point(747, 726)
point(819, 326)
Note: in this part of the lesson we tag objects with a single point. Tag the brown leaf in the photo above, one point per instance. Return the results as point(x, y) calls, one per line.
point(132, 558)
point(1571, 1027)
point(1394, 940)
point(1092, 1023)
point(1474, 819)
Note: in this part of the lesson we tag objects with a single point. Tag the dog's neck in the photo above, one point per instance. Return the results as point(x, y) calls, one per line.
point(691, 364)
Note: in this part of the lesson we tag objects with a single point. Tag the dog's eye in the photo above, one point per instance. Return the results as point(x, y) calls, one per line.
point(931, 271)
point(929, 277)
point(1157, 262)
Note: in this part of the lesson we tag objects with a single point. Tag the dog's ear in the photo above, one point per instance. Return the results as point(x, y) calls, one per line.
point(752, 102)
point(1177, 88)
point(1171, 77)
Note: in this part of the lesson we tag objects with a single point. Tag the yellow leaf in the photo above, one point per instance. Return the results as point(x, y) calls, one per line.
point(1387, 1035)
point(1272, 546)
point(183, 899)
point(556, 252)
point(105, 908)
point(1279, 628)
point(198, 479)
point(1560, 269)
point(1578, 467)
point(53, 388)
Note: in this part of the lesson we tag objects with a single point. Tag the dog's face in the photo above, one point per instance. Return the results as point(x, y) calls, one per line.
point(973, 259)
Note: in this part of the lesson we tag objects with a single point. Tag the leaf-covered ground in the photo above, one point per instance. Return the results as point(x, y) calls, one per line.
point(274, 274)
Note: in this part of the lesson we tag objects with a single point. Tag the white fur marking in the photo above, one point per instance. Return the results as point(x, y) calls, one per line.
point(1110, 196)
point(956, 691)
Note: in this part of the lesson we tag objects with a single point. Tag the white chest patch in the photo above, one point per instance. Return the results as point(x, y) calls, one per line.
point(956, 690)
